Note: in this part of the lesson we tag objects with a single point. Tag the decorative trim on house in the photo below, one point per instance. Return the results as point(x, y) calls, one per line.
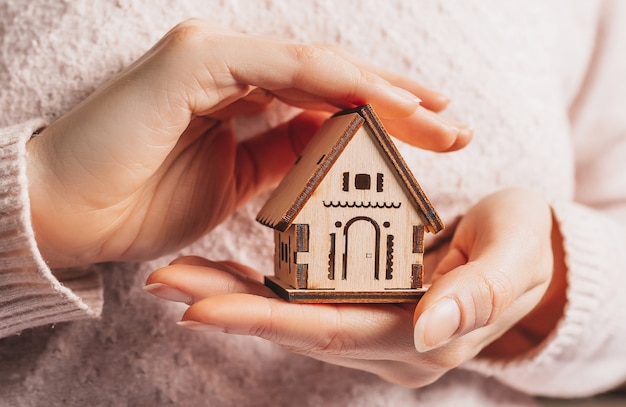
point(285, 203)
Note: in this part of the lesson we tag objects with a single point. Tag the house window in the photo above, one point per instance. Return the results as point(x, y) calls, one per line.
point(362, 181)
point(284, 252)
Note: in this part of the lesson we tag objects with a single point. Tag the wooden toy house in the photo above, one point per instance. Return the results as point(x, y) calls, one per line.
point(349, 218)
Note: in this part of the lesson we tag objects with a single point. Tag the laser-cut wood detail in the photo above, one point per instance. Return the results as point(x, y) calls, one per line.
point(418, 239)
point(302, 236)
point(389, 263)
point(302, 272)
point(417, 275)
point(379, 182)
point(349, 186)
point(331, 257)
point(362, 181)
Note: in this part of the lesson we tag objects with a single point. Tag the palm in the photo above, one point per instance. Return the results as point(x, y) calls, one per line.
point(159, 202)
point(193, 191)
point(497, 287)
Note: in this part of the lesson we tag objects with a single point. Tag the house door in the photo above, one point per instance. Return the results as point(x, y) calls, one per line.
point(361, 249)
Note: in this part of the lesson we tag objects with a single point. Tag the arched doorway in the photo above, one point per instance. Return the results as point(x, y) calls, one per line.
point(361, 248)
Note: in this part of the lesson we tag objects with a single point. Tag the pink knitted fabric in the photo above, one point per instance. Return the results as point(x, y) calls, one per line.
point(541, 83)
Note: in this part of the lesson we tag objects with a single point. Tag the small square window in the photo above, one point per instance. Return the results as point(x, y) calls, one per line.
point(362, 181)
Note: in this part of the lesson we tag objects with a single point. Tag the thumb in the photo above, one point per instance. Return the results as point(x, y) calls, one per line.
point(475, 295)
point(487, 278)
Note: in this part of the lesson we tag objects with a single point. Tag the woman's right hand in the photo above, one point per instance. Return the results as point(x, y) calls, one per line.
point(148, 162)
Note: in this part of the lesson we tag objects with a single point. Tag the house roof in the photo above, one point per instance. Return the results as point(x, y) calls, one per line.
point(311, 167)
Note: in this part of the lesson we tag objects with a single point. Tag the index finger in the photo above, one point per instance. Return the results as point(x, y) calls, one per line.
point(233, 61)
point(347, 330)
point(431, 99)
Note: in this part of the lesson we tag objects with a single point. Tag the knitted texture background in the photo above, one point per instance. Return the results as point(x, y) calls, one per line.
point(512, 85)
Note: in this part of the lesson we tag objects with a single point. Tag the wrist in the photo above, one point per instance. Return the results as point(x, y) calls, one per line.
point(42, 209)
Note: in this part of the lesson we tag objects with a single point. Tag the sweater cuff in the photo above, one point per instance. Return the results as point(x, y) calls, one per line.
point(555, 368)
point(30, 295)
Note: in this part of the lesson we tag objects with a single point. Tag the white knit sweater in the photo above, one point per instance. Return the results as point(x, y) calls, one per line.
point(542, 85)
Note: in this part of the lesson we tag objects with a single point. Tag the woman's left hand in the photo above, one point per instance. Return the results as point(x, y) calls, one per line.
point(493, 281)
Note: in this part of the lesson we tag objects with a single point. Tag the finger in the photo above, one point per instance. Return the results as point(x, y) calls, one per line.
point(463, 138)
point(487, 279)
point(253, 103)
point(427, 130)
point(345, 330)
point(318, 74)
point(371, 331)
point(198, 281)
point(230, 266)
point(468, 300)
point(331, 78)
point(192, 261)
point(263, 160)
point(232, 60)
point(241, 107)
point(431, 99)
point(423, 128)
point(455, 257)
point(308, 101)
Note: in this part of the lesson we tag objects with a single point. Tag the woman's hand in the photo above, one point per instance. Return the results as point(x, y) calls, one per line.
point(496, 270)
point(148, 162)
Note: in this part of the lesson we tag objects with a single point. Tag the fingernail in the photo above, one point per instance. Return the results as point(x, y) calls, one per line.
point(168, 293)
point(199, 326)
point(443, 99)
point(437, 325)
point(452, 129)
point(405, 94)
point(466, 132)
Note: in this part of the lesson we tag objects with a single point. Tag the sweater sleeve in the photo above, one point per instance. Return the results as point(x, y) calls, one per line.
point(585, 354)
point(30, 294)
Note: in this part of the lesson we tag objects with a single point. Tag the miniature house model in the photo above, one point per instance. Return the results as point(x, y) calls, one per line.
point(349, 218)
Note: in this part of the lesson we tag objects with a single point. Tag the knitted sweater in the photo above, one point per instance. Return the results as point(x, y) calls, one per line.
point(541, 83)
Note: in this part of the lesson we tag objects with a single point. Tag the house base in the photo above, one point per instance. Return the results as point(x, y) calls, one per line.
point(291, 294)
